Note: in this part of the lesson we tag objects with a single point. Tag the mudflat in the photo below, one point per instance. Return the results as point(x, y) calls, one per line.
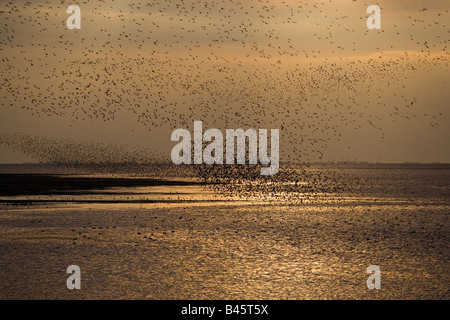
point(194, 248)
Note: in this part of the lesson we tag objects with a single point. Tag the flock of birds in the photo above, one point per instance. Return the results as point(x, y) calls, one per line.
point(230, 63)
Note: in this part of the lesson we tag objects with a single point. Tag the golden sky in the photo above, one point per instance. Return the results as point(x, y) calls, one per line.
point(135, 71)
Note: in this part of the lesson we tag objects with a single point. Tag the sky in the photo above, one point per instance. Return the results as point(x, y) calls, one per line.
point(136, 71)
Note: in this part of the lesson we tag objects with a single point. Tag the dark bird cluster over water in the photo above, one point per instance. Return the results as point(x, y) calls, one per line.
point(304, 67)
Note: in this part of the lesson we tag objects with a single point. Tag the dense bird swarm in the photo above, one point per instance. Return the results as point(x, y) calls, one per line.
point(231, 64)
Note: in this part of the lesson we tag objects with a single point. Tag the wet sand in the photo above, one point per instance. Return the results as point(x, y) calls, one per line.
point(239, 252)
point(188, 246)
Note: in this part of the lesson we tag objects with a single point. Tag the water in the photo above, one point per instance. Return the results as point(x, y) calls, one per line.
point(182, 240)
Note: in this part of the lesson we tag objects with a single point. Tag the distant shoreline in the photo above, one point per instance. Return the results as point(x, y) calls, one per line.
point(12, 184)
point(48, 168)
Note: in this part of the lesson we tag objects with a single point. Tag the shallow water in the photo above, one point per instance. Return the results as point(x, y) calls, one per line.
point(195, 244)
